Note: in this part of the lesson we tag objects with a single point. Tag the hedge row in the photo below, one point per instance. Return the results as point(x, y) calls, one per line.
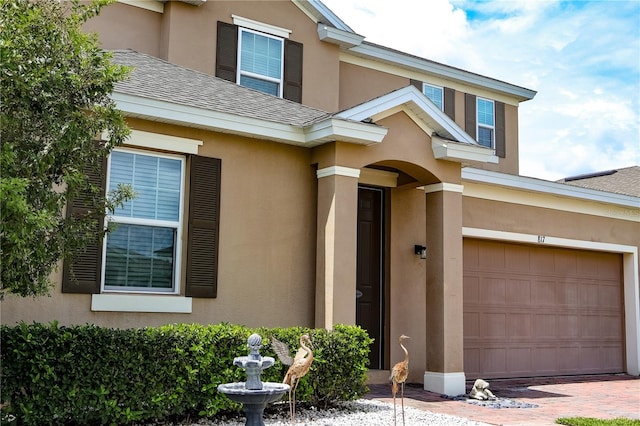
point(95, 375)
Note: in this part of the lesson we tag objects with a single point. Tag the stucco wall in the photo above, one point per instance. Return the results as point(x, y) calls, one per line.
point(121, 26)
point(407, 279)
point(266, 273)
point(186, 35)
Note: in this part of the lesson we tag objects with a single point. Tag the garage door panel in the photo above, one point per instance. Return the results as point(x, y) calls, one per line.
point(493, 291)
point(517, 260)
point(518, 292)
point(493, 361)
point(536, 311)
point(471, 324)
point(567, 294)
point(543, 293)
point(493, 325)
point(519, 360)
point(519, 326)
point(590, 326)
point(569, 360)
point(568, 326)
point(609, 296)
point(545, 359)
point(471, 290)
point(545, 326)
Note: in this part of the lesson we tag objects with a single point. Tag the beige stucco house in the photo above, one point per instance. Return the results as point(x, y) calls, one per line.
point(291, 173)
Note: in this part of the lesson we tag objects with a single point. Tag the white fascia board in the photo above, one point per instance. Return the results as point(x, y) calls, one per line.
point(346, 131)
point(326, 13)
point(409, 95)
point(442, 70)
point(554, 188)
point(317, 134)
point(342, 38)
point(461, 152)
point(211, 120)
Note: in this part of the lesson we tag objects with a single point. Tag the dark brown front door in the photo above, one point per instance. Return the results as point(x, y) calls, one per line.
point(369, 288)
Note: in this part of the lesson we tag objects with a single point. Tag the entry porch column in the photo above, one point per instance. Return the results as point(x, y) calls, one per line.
point(444, 298)
point(336, 246)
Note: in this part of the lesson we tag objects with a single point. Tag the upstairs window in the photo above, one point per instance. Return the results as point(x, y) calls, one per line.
point(486, 122)
point(259, 56)
point(142, 252)
point(260, 62)
point(435, 93)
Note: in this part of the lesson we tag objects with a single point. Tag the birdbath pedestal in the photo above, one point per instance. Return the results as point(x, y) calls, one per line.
point(254, 395)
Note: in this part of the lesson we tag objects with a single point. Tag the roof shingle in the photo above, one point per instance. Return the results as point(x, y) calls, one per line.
point(625, 181)
point(160, 80)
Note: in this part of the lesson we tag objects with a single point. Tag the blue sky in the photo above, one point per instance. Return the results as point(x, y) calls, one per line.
point(582, 57)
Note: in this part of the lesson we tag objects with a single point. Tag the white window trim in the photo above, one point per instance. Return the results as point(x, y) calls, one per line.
point(240, 73)
point(179, 225)
point(140, 303)
point(484, 126)
point(261, 26)
point(436, 87)
point(139, 138)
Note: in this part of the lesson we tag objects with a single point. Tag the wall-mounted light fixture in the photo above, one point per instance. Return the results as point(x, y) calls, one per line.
point(420, 250)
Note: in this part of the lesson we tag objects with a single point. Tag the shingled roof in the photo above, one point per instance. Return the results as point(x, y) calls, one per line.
point(624, 181)
point(154, 78)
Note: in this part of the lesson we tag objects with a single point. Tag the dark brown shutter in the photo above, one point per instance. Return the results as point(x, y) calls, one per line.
point(470, 115)
point(500, 130)
point(450, 102)
point(204, 213)
point(416, 83)
point(292, 88)
point(227, 51)
point(83, 275)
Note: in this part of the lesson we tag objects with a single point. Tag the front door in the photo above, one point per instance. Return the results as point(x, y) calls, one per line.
point(369, 279)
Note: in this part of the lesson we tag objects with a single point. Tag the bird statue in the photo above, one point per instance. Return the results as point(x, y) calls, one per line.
point(399, 374)
point(299, 366)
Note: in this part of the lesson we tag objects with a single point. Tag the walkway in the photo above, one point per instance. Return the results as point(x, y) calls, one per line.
point(600, 396)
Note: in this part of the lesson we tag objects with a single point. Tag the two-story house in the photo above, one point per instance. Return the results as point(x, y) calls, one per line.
point(291, 173)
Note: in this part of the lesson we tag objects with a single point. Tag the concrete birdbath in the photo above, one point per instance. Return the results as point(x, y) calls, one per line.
point(254, 395)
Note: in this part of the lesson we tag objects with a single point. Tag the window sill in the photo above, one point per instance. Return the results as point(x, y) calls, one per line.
point(140, 303)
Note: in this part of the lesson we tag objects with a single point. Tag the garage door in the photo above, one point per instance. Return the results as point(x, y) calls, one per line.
point(540, 311)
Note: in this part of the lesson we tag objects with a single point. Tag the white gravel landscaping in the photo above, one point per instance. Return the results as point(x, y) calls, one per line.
point(362, 412)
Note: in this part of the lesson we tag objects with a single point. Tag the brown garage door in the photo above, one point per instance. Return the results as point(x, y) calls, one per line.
point(540, 311)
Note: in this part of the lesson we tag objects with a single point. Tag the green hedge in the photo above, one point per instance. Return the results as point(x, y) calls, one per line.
point(95, 375)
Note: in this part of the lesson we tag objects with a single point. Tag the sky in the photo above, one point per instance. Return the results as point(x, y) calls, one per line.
point(581, 57)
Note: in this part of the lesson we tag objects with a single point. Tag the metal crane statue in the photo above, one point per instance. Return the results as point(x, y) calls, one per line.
point(398, 376)
point(299, 366)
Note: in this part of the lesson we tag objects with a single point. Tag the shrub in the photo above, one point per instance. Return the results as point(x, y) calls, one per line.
point(89, 374)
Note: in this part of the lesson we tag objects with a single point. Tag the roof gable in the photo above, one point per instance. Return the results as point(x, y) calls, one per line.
point(449, 141)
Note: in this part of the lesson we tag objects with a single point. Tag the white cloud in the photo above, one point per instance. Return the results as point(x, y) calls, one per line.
point(583, 58)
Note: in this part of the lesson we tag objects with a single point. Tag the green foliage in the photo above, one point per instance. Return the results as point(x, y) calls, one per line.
point(588, 421)
point(94, 375)
point(54, 101)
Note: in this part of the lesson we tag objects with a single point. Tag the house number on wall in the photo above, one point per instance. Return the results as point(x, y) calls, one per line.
point(541, 238)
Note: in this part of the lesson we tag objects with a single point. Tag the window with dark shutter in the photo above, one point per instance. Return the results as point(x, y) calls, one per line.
point(500, 130)
point(227, 51)
point(204, 212)
point(82, 273)
point(292, 88)
point(258, 74)
point(470, 115)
